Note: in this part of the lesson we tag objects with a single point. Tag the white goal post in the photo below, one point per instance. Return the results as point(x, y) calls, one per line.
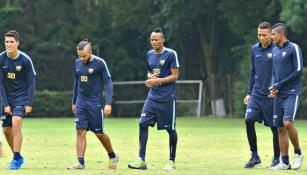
point(135, 101)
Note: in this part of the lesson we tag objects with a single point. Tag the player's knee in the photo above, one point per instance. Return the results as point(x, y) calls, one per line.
point(274, 130)
point(288, 124)
point(171, 132)
point(143, 126)
point(249, 122)
point(81, 132)
point(101, 134)
point(282, 131)
point(7, 130)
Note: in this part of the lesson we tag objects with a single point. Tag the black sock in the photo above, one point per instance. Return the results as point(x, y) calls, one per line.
point(111, 155)
point(81, 160)
point(285, 159)
point(251, 136)
point(275, 143)
point(17, 156)
point(173, 138)
point(143, 136)
point(297, 151)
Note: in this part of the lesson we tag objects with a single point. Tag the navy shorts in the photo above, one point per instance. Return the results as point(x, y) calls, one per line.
point(90, 118)
point(260, 109)
point(162, 112)
point(285, 108)
point(18, 111)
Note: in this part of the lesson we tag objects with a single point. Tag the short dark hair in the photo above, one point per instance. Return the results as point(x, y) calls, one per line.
point(158, 30)
point(12, 33)
point(81, 45)
point(265, 25)
point(282, 28)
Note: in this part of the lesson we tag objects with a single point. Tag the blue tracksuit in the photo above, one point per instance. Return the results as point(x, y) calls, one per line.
point(17, 83)
point(287, 69)
point(88, 87)
point(160, 103)
point(260, 106)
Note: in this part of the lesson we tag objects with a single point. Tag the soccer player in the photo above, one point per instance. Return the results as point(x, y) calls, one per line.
point(286, 85)
point(259, 104)
point(91, 73)
point(17, 86)
point(163, 71)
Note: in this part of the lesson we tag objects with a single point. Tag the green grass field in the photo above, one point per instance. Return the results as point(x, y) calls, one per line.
point(205, 146)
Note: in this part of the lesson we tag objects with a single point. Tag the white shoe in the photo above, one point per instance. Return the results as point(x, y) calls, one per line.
point(170, 165)
point(281, 166)
point(297, 161)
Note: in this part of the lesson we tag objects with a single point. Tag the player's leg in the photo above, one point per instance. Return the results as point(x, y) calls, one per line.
point(251, 136)
point(17, 136)
point(147, 119)
point(291, 105)
point(8, 133)
point(276, 148)
point(173, 139)
point(106, 142)
point(282, 134)
point(81, 145)
point(7, 128)
point(253, 114)
point(96, 125)
point(81, 128)
point(18, 161)
point(284, 146)
point(267, 108)
point(166, 119)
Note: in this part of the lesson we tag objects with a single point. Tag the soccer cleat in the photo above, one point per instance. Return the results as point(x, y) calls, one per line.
point(281, 166)
point(16, 164)
point(113, 163)
point(76, 166)
point(275, 162)
point(253, 161)
point(297, 162)
point(170, 165)
point(138, 164)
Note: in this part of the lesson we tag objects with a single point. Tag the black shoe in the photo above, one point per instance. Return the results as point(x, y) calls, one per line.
point(253, 161)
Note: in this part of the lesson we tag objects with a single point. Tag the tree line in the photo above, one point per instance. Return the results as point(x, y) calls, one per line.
point(210, 36)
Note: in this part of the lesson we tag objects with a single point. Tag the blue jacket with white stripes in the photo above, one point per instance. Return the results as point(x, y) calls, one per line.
point(17, 79)
point(287, 69)
point(89, 81)
point(160, 65)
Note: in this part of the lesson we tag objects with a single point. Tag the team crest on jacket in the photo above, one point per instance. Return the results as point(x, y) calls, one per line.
point(18, 68)
point(270, 55)
point(162, 62)
point(90, 70)
point(156, 71)
point(284, 54)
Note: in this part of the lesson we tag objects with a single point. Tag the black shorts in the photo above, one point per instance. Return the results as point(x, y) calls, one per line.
point(162, 112)
point(90, 118)
point(260, 109)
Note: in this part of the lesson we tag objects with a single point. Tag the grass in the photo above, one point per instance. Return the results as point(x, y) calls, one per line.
point(205, 146)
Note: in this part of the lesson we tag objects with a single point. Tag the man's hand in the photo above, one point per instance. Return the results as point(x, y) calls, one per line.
point(246, 99)
point(8, 110)
point(152, 82)
point(73, 108)
point(28, 110)
point(151, 76)
point(107, 110)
